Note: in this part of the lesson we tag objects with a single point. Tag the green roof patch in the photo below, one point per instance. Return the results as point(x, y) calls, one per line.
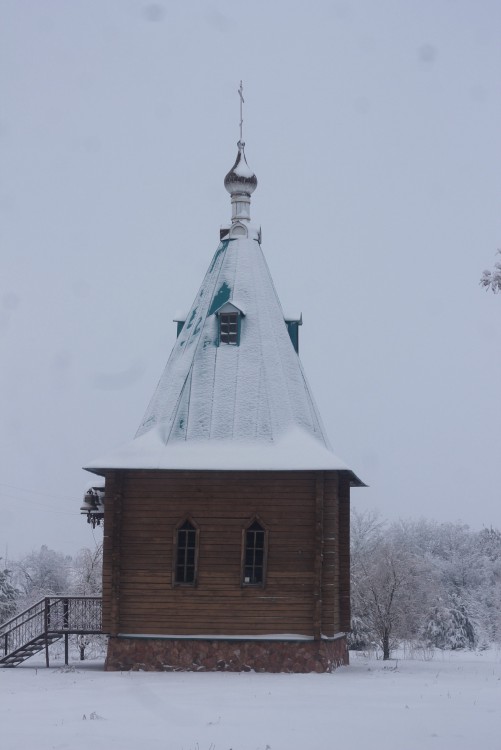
point(192, 317)
point(222, 247)
point(222, 296)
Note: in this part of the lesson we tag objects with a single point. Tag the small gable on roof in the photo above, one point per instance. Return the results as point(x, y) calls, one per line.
point(239, 229)
point(230, 307)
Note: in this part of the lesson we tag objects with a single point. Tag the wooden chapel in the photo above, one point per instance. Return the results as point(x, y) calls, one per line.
point(226, 518)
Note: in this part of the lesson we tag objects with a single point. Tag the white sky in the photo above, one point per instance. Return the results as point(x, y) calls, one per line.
point(374, 131)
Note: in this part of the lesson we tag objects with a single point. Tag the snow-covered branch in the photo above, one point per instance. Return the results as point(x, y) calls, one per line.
point(437, 584)
point(492, 279)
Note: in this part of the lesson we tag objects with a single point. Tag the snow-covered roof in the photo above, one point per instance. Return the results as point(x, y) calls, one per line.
point(293, 317)
point(231, 407)
point(256, 391)
point(294, 451)
point(219, 406)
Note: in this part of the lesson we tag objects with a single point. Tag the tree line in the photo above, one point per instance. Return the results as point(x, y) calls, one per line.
point(432, 584)
point(48, 573)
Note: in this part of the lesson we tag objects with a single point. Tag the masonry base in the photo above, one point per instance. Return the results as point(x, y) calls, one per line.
point(194, 655)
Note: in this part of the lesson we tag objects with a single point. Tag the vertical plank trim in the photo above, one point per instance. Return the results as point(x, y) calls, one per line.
point(116, 554)
point(319, 541)
point(344, 552)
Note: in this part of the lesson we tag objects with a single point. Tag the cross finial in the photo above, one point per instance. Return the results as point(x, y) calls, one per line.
point(241, 95)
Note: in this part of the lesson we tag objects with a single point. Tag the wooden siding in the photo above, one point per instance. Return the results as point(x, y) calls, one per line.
point(344, 552)
point(330, 578)
point(111, 552)
point(142, 510)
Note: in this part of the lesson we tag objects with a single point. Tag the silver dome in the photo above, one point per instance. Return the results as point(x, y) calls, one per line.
point(240, 178)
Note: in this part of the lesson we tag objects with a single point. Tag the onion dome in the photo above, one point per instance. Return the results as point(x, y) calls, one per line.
point(240, 178)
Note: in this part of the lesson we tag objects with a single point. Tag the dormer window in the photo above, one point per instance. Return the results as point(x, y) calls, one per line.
point(228, 328)
point(229, 317)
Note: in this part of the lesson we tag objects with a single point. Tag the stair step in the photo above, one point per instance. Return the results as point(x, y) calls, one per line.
point(25, 652)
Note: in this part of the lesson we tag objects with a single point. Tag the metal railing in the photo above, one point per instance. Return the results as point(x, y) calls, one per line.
point(51, 616)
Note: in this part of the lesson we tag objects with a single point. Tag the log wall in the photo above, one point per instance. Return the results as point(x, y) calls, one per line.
point(303, 583)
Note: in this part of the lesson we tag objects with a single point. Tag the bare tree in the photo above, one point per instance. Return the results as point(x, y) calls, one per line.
point(42, 573)
point(382, 580)
point(382, 570)
point(86, 580)
point(87, 571)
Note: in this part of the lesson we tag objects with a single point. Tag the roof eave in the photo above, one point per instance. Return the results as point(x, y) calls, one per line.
point(354, 480)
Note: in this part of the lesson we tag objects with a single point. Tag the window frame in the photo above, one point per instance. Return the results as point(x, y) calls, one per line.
point(224, 314)
point(233, 320)
point(245, 529)
point(175, 548)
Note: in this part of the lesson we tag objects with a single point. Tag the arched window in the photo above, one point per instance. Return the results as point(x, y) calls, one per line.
point(254, 554)
point(185, 554)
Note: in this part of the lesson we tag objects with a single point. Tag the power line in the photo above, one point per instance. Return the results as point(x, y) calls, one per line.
point(32, 492)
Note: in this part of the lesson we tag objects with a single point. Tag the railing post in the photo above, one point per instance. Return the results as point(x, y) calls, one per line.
point(66, 619)
point(46, 628)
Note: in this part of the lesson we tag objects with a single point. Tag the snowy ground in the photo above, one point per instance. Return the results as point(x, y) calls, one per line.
point(452, 701)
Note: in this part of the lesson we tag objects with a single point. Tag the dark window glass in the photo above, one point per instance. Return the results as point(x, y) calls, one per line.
point(228, 328)
point(254, 554)
point(185, 553)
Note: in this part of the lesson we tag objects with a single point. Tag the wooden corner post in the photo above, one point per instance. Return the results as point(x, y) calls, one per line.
point(319, 544)
point(116, 544)
point(344, 552)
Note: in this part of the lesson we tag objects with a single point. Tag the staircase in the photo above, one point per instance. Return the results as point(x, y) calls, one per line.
point(45, 622)
point(30, 649)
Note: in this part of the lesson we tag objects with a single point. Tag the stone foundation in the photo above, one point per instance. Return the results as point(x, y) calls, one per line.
point(196, 655)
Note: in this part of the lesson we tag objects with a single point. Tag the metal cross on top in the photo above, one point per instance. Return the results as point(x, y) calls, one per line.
point(241, 95)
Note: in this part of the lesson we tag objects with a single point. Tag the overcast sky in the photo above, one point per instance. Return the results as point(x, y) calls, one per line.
point(374, 131)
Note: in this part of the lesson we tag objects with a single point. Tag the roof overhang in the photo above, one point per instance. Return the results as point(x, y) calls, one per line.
point(296, 450)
